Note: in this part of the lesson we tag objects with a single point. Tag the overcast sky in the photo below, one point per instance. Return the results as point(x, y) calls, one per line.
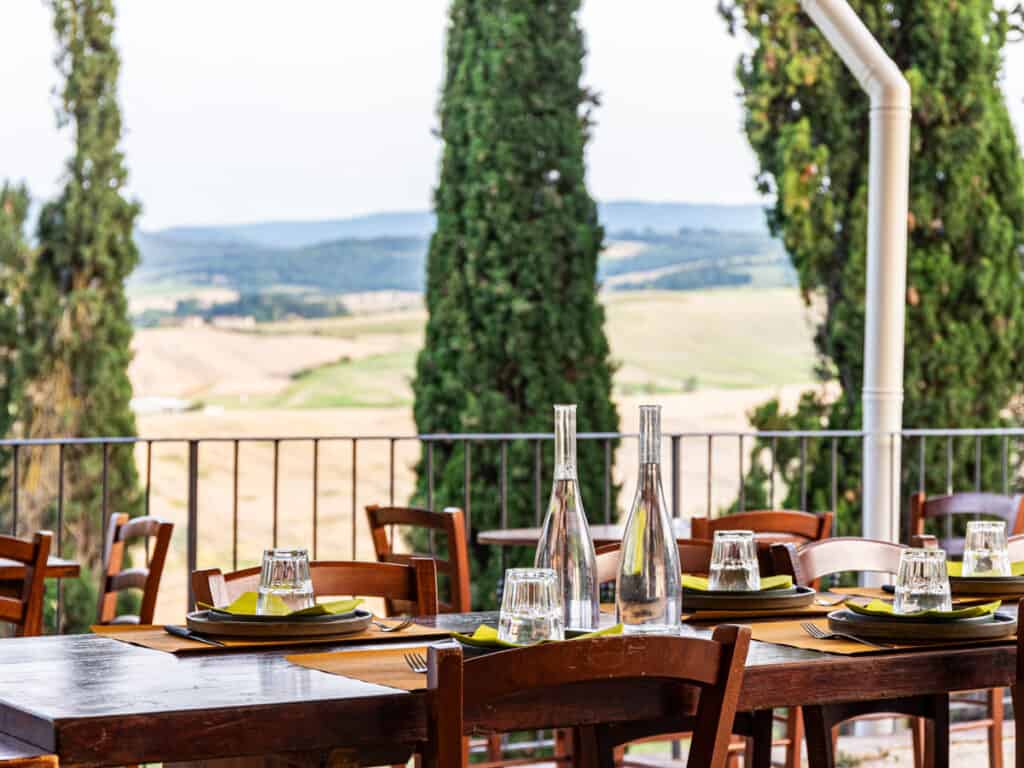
point(247, 110)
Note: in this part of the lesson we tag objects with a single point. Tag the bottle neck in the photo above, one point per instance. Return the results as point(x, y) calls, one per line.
point(650, 434)
point(565, 442)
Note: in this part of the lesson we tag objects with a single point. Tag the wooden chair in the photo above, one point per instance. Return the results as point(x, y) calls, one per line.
point(411, 587)
point(116, 578)
point(451, 522)
point(21, 602)
point(840, 555)
point(770, 527)
point(975, 505)
point(652, 679)
point(695, 557)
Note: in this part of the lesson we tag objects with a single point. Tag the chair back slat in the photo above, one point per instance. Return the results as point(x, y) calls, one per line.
point(534, 688)
point(1010, 509)
point(412, 586)
point(116, 578)
point(839, 555)
point(24, 606)
point(801, 525)
point(1015, 548)
point(451, 523)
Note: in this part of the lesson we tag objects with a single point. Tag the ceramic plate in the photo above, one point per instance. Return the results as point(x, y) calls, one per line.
point(770, 599)
point(994, 627)
point(205, 624)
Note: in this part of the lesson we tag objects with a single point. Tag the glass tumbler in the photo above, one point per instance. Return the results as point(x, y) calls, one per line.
point(531, 607)
point(734, 565)
point(922, 583)
point(285, 575)
point(985, 549)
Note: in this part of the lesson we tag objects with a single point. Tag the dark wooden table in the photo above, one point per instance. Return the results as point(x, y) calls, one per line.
point(56, 568)
point(96, 701)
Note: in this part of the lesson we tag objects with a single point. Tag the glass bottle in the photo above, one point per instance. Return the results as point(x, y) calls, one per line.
point(565, 544)
point(648, 593)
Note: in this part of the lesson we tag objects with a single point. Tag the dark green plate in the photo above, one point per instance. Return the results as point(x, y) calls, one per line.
point(769, 599)
point(986, 585)
point(995, 627)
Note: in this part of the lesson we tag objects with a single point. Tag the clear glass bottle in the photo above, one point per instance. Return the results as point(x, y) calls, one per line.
point(565, 543)
point(648, 593)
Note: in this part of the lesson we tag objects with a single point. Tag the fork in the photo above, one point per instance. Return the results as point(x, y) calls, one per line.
point(416, 662)
point(820, 634)
point(403, 622)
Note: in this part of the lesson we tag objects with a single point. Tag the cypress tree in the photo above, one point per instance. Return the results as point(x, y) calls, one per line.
point(76, 313)
point(808, 122)
point(514, 321)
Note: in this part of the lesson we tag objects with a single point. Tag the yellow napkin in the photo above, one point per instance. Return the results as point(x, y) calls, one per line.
point(700, 584)
point(245, 605)
point(882, 608)
point(487, 637)
point(956, 568)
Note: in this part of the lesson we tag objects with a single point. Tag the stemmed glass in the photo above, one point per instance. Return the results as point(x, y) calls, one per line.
point(734, 566)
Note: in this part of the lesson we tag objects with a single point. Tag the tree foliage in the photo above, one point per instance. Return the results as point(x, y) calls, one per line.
point(808, 122)
point(14, 259)
point(77, 332)
point(514, 322)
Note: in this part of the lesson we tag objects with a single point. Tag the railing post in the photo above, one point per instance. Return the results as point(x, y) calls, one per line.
point(676, 490)
point(192, 530)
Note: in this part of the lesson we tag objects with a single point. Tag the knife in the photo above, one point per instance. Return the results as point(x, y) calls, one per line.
point(188, 634)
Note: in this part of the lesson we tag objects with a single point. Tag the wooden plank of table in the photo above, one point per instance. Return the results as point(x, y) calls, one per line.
point(98, 701)
point(56, 568)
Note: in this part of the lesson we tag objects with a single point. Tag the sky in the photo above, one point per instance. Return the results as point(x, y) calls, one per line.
point(248, 110)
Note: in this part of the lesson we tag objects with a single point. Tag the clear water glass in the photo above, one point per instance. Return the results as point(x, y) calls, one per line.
point(531, 607)
point(985, 551)
point(922, 583)
point(285, 575)
point(734, 566)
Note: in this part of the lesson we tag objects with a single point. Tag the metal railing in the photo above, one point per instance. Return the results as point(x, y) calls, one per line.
point(693, 462)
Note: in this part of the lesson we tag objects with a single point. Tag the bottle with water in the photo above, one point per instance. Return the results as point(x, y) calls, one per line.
point(648, 589)
point(565, 544)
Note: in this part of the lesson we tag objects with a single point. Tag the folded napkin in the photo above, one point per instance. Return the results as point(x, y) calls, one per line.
point(882, 608)
point(487, 637)
point(245, 605)
point(700, 584)
point(956, 568)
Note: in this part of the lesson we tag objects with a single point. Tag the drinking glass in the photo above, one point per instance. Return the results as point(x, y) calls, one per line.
point(285, 575)
point(922, 583)
point(531, 607)
point(734, 565)
point(985, 549)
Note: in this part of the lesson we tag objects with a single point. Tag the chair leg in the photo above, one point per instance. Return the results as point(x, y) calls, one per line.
point(494, 747)
point(758, 752)
point(819, 738)
point(995, 731)
point(795, 733)
point(1017, 694)
point(918, 736)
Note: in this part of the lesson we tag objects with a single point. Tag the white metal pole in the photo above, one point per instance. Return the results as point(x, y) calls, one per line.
point(888, 201)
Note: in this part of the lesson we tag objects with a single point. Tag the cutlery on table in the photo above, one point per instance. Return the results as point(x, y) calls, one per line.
point(416, 662)
point(188, 634)
point(829, 599)
point(820, 634)
point(403, 622)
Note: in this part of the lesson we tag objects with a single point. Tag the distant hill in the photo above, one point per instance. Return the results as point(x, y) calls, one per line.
point(658, 245)
point(618, 217)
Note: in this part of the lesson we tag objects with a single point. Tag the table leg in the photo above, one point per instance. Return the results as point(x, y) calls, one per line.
point(1017, 696)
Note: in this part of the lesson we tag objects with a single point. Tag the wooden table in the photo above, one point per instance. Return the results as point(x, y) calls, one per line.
point(97, 701)
point(56, 568)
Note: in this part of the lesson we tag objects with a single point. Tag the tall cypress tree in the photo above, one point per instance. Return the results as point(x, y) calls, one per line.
point(808, 122)
point(76, 313)
point(514, 321)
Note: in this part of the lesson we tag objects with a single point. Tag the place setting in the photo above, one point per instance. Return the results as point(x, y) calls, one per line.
point(283, 610)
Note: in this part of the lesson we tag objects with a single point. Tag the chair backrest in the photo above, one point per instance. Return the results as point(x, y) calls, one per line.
point(984, 505)
point(770, 526)
point(694, 557)
point(840, 555)
point(546, 685)
point(411, 587)
point(116, 578)
point(452, 523)
point(22, 604)
point(1015, 547)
